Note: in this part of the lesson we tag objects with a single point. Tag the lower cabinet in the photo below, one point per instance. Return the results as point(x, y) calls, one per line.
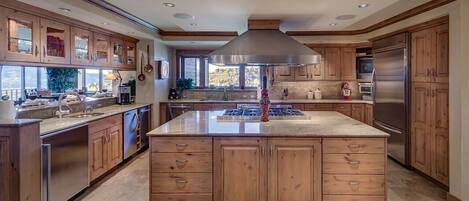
point(105, 145)
point(358, 112)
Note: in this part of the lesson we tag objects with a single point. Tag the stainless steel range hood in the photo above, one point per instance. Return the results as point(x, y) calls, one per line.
point(264, 47)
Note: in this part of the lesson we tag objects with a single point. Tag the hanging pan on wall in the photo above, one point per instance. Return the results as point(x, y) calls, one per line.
point(148, 67)
point(141, 76)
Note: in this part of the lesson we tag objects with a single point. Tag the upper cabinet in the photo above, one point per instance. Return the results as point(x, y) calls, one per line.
point(82, 43)
point(284, 73)
point(55, 40)
point(26, 38)
point(20, 36)
point(349, 70)
point(102, 50)
point(430, 51)
point(332, 63)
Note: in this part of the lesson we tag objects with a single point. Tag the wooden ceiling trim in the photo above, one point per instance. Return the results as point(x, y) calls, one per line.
point(338, 45)
point(402, 16)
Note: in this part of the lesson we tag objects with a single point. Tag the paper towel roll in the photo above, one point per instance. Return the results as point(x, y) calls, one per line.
point(7, 110)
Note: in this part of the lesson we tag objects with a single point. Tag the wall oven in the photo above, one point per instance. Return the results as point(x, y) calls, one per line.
point(365, 68)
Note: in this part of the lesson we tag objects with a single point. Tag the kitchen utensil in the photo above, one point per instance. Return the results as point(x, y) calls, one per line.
point(141, 76)
point(148, 67)
point(8, 108)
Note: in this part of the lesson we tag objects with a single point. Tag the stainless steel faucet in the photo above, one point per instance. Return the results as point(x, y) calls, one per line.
point(61, 112)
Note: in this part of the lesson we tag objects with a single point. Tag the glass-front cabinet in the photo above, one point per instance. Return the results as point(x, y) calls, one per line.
point(81, 51)
point(130, 54)
point(118, 53)
point(20, 36)
point(55, 38)
point(102, 49)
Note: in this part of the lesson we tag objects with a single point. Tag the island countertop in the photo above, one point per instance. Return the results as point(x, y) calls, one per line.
point(320, 124)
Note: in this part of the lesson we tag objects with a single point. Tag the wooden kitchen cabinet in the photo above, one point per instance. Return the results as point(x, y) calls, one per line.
point(82, 46)
point(102, 50)
point(348, 64)
point(332, 63)
point(55, 41)
point(358, 112)
point(430, 54)
point(117, 52)
point(284, 73)
point(319, 107)
point(303, 73)
point(240, 169)
point(105, 145)
point(345, 109)
point(421, 138)
point(369, 118)
point(317, 71)
point(130, 54)
point(294, 169)
point(19, 36)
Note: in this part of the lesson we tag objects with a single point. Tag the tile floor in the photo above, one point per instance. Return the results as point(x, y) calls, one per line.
point(131, 183)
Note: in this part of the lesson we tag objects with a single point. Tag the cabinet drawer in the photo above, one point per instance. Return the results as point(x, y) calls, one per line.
point(222, 106)
point(184, 145)
point(352, 198)
point(181, 182)
point(318, 107)
point(354, 145)
point(353, 184)
point(181, 197)
point(181, 162)
point(105, 123)
point(345, 109)
point(354, 163)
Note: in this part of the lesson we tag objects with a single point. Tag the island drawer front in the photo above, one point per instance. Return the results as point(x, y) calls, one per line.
point(354, 163)
point(181, 162)
point(181, 183)
point(182, 145)
point(354, 145)
point(181, 197)
point(353, 184)
point(353, 198)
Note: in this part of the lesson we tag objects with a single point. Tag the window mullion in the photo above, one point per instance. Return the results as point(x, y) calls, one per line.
point(23, 83)
point(202, 71)
point(100, 87)
point(242, 77)
point(38, 77)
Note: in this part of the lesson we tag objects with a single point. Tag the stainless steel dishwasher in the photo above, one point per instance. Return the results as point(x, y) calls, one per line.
point(64, 163)
point(130, 133)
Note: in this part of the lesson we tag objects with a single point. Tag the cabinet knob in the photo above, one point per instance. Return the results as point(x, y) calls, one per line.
point(181, 162)
point(355, 185)
point(354, 162)
point(354, 147)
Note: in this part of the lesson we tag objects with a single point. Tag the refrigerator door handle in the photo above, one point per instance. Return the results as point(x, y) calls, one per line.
point(388, 128)
point(46, 171)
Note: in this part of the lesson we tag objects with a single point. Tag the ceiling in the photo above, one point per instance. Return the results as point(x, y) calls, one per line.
point(232, 15)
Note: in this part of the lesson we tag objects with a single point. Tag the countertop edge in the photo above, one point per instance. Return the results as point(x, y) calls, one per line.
point(292, 101)
point(18, 122)
point(271, 136)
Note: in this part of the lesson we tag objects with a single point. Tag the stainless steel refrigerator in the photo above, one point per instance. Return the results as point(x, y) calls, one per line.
point(391, 93)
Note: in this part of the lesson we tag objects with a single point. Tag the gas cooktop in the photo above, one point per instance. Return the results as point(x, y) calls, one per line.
point(253, 113)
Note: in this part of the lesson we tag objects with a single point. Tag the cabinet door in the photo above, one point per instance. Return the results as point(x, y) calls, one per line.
point(349, 71)
point(130, 54)
point(332, 62)
point(55, 41)
point(114, 144)
point(358, 112)
point(421, 56)
point(102, 50)
point(345, 109)
point(441, 68)
point(19, 36)
point(294, 170)
point(98, 154)
point(82, 42)
point(440, 132)
point(117, 52)
point(240, 169)
point(420, 134)
point(5, 171)
point(284, 73)
point(302, 73)
point(317, 71)
point(369, 114)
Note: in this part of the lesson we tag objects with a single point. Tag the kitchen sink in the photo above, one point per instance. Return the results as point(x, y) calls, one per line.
point(85, 115)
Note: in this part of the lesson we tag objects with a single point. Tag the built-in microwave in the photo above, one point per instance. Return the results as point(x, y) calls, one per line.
point(365, 68)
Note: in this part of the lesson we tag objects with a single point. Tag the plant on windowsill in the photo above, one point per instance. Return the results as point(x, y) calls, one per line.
point(61, 79)
point(183, 84)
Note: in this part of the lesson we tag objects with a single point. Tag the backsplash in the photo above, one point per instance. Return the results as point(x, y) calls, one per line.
point(218, 94)
point(298, 90)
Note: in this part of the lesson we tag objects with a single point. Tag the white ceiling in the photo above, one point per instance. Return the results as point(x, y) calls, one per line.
point(232, 15)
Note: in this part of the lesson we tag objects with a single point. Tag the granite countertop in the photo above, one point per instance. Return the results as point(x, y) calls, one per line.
point(56, 124)
point(320, 124)
point(17, 122)
point(273, 101)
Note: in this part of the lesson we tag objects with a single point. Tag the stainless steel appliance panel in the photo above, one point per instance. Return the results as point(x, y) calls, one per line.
point(65, 163)
point(130, 133)
point(397, 143)
point(145, 124)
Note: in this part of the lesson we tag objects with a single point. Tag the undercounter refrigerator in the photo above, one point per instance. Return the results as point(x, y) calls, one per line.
point(391, 98)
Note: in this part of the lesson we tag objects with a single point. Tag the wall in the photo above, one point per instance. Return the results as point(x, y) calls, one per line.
point(152, 90)
point(464, 64)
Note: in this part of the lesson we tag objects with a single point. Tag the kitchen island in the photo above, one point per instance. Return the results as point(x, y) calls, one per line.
point(328, 157)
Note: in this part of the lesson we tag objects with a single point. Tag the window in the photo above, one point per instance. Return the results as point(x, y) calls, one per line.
point(11, 82)
point(31, 78)
point(92, 80)
point(107, 77)
point(208, 75)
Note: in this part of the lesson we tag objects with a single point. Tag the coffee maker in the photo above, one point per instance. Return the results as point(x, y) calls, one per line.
point(123, 95)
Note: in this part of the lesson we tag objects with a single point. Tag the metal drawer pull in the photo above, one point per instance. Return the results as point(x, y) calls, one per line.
point(181, 181)
point(353, 147)
point(181, 145)
point(354, 183)
point(354, 162)
point(181, 162)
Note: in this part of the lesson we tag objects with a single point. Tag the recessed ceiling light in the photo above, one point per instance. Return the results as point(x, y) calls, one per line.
point(65, 9)
point(183, 16)
point(333, 24)
point(363, 5)
point(169, 5)
point(105, 23)
point(345, 17)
